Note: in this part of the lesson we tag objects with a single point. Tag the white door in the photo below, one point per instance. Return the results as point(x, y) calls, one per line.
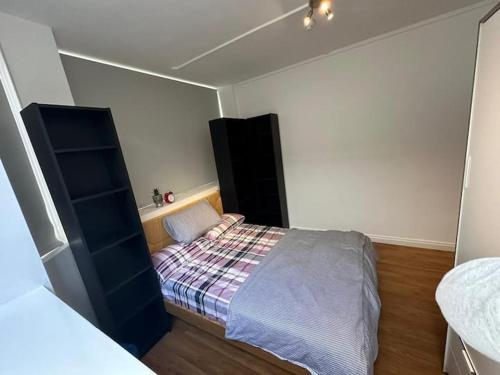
point(479, 228)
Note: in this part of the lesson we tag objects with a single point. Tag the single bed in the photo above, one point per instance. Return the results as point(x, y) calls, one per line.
point(200, 279)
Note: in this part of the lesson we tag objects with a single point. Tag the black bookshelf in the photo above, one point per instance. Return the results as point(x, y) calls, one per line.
point(250, 168)
point(81, 159)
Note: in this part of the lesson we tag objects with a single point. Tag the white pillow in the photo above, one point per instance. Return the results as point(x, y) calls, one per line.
point(192, 222)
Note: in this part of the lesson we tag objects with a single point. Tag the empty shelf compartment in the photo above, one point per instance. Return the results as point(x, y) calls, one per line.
point(145, 328)
point(121, 263)
point(90, 173)
point(74, 127)
point(130, 298)
point(108, 220)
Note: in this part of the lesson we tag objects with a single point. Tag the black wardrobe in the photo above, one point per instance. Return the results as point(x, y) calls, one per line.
point(81, 159)
point(250, 169)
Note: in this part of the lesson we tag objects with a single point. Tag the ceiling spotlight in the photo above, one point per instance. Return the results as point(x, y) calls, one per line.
point(329, 14)
point(309, 20)
point(324, 7)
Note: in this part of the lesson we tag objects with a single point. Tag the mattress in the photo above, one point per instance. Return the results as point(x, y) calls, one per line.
point(204, 275)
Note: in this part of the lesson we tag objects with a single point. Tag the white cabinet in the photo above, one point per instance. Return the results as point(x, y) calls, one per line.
point(458, 361)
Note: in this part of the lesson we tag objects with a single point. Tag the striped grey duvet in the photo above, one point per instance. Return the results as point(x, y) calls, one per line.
point(313, 301)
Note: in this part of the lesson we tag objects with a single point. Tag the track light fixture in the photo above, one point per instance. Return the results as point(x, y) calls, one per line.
point(323, 7)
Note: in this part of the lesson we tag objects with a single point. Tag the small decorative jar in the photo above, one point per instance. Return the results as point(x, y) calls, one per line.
point(157, 197)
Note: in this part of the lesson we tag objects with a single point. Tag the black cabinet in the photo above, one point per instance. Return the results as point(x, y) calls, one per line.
point(82, 162)
point(250, 168)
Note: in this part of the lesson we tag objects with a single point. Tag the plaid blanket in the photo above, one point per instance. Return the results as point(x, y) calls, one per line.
point(204, 275)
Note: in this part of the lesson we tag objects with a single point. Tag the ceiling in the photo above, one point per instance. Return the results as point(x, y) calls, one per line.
point(159, 34)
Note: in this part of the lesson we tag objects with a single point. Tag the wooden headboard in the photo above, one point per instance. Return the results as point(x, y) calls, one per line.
point(156, 236)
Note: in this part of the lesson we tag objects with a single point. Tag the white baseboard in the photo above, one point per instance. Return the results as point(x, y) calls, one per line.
point(413, 242)
point(402, 241)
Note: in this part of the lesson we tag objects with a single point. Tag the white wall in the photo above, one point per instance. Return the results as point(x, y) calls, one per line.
point(374, 135)
point(31, 53)
point(34, 64)
point(21, 270)
point(228, 103)
point(22, 177)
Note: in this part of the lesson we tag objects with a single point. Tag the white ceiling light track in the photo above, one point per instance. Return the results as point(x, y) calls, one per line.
point(244, 35)
point(133, 68)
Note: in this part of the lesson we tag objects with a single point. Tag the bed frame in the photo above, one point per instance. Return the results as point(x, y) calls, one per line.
point(157, 238)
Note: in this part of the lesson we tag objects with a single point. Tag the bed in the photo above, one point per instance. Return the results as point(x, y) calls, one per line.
point(332, 310)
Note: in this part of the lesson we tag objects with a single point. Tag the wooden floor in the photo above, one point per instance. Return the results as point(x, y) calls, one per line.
point(411, 330)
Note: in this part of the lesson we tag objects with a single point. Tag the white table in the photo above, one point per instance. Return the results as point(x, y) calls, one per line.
point(40, 334)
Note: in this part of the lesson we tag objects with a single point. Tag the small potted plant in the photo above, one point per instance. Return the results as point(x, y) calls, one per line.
point(157, 197)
